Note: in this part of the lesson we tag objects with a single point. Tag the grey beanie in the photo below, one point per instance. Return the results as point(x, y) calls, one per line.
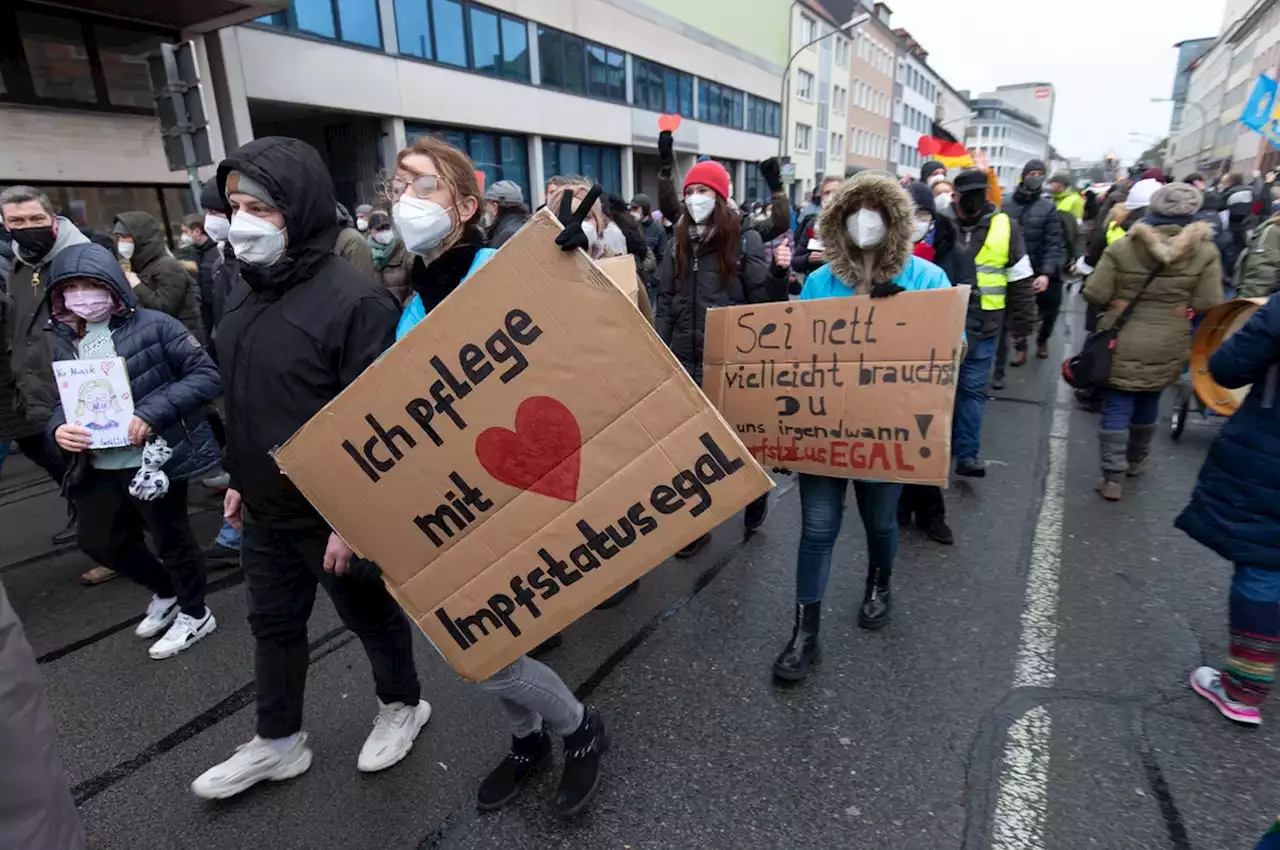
point(1177, 200)
point(246, 185)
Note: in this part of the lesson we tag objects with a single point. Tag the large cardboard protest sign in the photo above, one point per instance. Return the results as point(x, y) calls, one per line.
point(528, 450)
point(848, 387)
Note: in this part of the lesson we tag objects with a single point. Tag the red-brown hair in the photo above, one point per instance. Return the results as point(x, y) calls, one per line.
point(455, 169)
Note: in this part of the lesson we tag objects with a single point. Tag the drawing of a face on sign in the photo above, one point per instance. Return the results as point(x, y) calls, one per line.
point(507, 468)
point(98, 408)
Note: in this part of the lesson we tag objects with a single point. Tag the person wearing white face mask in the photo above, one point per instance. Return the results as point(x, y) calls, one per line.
point(160, 281)
point(299, 325)
point(438, 213)
point(712, 263)
point(868, 231)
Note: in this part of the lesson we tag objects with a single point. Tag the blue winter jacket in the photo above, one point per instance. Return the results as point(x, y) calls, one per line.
point(172, 377)
point(916, 275)
point(415, 311)
point(1235, 508)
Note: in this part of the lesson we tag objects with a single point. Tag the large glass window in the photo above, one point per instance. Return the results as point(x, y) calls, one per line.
point(124, 64)
point(65, 58)
point(515, 48)
point(763, 116)
point(413, 29)
point(661, 89)
point(352, 21)
point(57, 57)
point(451, 36)
point(486, 50)
point(719, 104)
point(595, 162)
point(582, 67)
point(500, 157)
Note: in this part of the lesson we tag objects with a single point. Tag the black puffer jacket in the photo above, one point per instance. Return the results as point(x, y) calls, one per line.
point(508, 223)
point(170, 373)
point(680, 316)
point(294, 334)
point(165, 285)
point(1042, 231)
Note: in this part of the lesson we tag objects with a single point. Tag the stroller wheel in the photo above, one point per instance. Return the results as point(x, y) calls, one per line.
point(1181, 406)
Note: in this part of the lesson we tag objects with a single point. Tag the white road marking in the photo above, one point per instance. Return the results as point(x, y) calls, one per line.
point(1023, 796)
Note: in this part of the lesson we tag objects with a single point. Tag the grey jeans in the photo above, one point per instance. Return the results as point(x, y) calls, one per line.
point(532, 692)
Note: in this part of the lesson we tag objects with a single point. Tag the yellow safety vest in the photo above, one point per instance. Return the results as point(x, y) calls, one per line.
point(1114, 232)
point(1072, 203)
point(992, 262)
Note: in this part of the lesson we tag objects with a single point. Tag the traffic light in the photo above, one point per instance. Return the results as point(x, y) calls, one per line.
point(175, 82)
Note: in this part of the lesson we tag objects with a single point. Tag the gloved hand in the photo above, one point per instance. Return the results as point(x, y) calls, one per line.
point(362, 570)
point(666, 147)
point(771, 171)
point(884, 290)
point(573, 236)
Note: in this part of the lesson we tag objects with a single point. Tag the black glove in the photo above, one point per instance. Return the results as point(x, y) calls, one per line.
point(771, 171)
point(573, 236)
point(884, 290)
point(665, 149)
point(361, 570)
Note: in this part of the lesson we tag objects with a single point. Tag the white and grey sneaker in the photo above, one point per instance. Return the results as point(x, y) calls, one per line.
point(254, 762)
point(160, 613)
point(184, 632)
point(394, 731)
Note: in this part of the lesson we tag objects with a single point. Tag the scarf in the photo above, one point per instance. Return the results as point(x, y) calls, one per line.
point(382, 253)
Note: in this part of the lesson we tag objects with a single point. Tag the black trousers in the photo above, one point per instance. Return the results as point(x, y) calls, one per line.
point(922, 501)
point(44, 453)
point(282, 568)
point(1049, 303)
point(110, 530)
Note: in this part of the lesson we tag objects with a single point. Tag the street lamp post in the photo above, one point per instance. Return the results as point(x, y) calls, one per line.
point(856, 21)
point(1204, 123)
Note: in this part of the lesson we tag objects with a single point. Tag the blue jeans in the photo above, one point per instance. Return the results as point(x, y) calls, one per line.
point(1121, 409)
point(971, 400)
point(1256, 584)
point(822, 510)
point(4, 452)
point(228, 537)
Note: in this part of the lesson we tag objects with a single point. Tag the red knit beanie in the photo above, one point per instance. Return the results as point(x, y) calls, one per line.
point(709, 173)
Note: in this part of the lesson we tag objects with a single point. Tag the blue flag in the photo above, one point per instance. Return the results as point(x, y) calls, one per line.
point(1259, 111)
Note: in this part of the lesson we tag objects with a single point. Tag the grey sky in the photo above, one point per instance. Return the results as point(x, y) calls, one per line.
point(1105, 58)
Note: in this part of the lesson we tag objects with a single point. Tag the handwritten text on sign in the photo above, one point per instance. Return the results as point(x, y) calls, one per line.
point(847, 387)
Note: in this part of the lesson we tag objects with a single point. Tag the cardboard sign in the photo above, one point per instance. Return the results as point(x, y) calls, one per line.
point(845, 387)
point(526, 451)
point(622, 271)
point(95, 395)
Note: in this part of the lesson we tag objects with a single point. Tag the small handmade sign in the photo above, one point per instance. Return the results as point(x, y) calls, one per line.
point(95, 395)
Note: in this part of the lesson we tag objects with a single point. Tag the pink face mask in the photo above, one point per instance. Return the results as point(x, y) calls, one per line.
point(92, 305)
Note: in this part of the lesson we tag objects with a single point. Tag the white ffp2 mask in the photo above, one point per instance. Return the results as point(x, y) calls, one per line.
point(255, 240)
point(699, 207)
point(866, 227)
point(423, 225)
point(216, 227)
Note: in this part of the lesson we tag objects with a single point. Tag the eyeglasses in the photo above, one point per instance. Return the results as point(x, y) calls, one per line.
point(422, 185)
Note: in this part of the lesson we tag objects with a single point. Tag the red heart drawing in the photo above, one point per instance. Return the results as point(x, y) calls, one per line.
point(543, 454)
point(668, 122)
point(106, 366)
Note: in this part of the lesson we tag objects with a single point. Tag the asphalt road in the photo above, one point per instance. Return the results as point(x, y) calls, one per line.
point(914, 737)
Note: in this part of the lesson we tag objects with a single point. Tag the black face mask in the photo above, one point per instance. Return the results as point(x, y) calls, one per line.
point(971, 205)
point(35, 242)
point(1033, 183)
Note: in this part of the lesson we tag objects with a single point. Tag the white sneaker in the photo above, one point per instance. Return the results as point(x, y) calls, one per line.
point(160, 613)
point(184, 632)
point(394, 731)
point(253, 762)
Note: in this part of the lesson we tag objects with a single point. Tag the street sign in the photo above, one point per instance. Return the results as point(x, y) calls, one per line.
point(788, 172)
point(175, 82)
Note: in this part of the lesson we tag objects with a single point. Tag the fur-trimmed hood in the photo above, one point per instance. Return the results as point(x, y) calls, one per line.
point(1170, 244)
point(883, 192)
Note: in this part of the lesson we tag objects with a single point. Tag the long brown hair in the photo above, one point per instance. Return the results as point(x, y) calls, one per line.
point(724, 228)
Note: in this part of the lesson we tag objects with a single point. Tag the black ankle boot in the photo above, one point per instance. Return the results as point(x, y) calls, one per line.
point(802, 652)
point(583, 749)
point(877, 603)
point(527, 756)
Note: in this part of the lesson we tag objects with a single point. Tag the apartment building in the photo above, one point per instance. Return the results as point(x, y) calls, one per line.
point(1008, 135)
point(817, 105)
point(871, 75)
point(917, 91)
point(529, 88)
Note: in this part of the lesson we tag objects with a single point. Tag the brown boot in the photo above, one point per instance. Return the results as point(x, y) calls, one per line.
point(1109, 489)
point(1139, 448)
point(1019, 358)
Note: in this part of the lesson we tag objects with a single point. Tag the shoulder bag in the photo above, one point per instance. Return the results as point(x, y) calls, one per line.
point(1091, 368)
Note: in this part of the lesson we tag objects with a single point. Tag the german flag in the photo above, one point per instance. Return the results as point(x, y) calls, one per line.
point(950, 154)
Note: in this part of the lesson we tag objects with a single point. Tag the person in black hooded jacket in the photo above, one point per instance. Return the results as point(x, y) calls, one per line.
point(300, 324)
point(1046, 243)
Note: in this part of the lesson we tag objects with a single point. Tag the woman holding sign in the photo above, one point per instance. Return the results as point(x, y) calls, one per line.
point(868, 230)
point(438, 211)
point(171, 378)
point(711, 263)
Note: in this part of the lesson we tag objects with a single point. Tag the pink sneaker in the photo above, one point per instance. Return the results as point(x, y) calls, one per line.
point(1207, 682)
